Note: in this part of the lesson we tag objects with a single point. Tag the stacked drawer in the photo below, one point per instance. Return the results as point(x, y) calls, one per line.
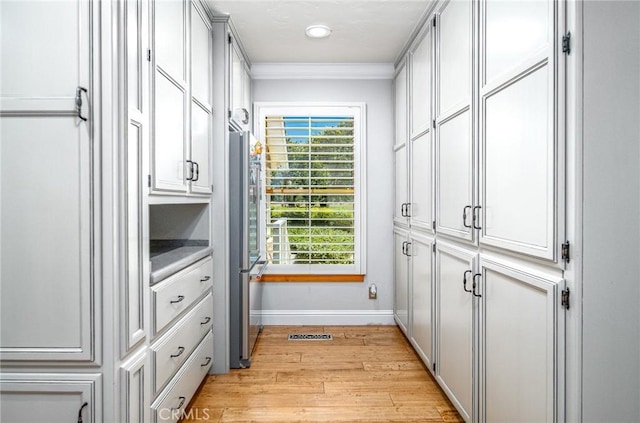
point(182, 351)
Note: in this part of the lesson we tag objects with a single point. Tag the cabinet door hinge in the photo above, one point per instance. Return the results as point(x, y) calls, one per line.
point(148, 55)
point(433, 366)
point(566, 43)
point(434, 21)
point(433, 247)
point(433, 225)
point(229, 114)
point(566, 251)
point(564, 302)
point(230, 39)
point(149, 181)
point(433, 123)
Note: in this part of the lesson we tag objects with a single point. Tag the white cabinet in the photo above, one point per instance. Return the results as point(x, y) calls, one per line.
point(401, 147)
point(520, 327)
point(455, 328)
point(519, 131)
point(47, 175)
point(401, 305)
point(182, 112)
point(454, 160)
point(240, 88)
point(201, 101)
point(135, 380)
point(50, 398)
point(421, 265)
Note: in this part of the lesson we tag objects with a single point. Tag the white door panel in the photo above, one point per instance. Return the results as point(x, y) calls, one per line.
point(401, 106)
point(170, 38)
point(520, 342)
point(422, 297)
point(420, 86)
point(169, 132)
point(421, 183)
point(401, 309)
point(454, 52)
point(454, 164)
point(200, 146)
point(504, 19)
point(519, 171)
point(201, 50)
point(454, 368)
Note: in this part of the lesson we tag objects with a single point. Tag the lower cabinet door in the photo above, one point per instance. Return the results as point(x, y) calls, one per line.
point(135, 389)
point(401, 306)
point(50, 398)
point(421, 265)
point(455, 317)
point(520, 334)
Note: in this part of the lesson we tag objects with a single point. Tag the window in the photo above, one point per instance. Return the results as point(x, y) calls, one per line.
point(313, 188)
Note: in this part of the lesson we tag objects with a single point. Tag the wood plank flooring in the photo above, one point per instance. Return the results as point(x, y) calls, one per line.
point(366, 374)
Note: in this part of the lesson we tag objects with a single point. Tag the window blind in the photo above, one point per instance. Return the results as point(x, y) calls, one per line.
point(310, 191)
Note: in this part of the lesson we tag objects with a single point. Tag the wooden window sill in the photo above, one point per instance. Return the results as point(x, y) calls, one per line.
point(288, 277)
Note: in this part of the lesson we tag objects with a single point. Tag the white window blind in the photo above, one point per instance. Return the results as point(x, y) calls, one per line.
point(311, 187)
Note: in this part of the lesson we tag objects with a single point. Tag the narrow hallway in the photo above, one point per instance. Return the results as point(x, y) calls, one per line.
point(365, 374)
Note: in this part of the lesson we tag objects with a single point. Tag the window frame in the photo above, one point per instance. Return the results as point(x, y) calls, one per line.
point(358, 111)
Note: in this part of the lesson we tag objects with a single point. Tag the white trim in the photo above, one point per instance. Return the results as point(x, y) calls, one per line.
point(327, 317)
point(322, 71)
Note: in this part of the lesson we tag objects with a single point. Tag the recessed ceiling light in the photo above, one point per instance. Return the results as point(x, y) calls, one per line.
point(317, 31)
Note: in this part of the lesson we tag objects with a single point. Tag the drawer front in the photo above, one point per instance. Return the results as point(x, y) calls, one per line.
point(176, 294)
point(172, 350)
point(170, 405)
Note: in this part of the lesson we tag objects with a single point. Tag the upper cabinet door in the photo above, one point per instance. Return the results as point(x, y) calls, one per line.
point(400, 149)
point(47, 171)
point(170, 23)
point(455, 159)
point(420, 84)
point(520, 134)
point(201, 52)
point(201, 124)
point(421, 184)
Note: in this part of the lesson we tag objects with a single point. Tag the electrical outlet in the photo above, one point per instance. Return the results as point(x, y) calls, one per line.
point(373, 292)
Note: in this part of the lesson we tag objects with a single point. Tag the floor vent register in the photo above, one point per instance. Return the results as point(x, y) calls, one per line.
point(310, 337)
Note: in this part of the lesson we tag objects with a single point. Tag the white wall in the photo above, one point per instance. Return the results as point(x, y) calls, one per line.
point(611, 285)
point(345, 303)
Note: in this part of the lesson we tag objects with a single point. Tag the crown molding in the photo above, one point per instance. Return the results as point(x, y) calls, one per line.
point(322, 71)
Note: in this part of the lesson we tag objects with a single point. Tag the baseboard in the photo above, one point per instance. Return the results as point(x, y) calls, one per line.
point(327, 317)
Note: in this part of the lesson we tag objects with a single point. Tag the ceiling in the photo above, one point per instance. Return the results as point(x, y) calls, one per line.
point(364, 31)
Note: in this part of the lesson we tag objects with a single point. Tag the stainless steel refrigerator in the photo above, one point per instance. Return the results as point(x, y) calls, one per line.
point(246, 265)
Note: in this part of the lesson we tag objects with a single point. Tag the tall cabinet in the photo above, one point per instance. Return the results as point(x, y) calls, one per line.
point(484, 304)
point(97, 324)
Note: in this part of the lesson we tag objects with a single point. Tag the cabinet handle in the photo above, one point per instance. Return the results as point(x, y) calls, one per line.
point(179, 353)
point(79, 92)
point(476, 217)
point(180, 298)
point(207, 361)
point(402, 210)
point(205, 278)
point(464, 281)
point(404, 248)
point(190, 177)
point(474, 285)
point(407, 210)
point(197, 172)
point(182, 401)
point(408, 249)
point(464, 216)
point(206, 320)
point(80, 420)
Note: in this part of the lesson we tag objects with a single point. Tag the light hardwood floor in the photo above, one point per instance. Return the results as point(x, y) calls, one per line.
point(366, 374)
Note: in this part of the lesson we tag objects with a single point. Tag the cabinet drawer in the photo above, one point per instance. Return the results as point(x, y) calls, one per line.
point(176, 294)
point(172, 350)
point(170, 405)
